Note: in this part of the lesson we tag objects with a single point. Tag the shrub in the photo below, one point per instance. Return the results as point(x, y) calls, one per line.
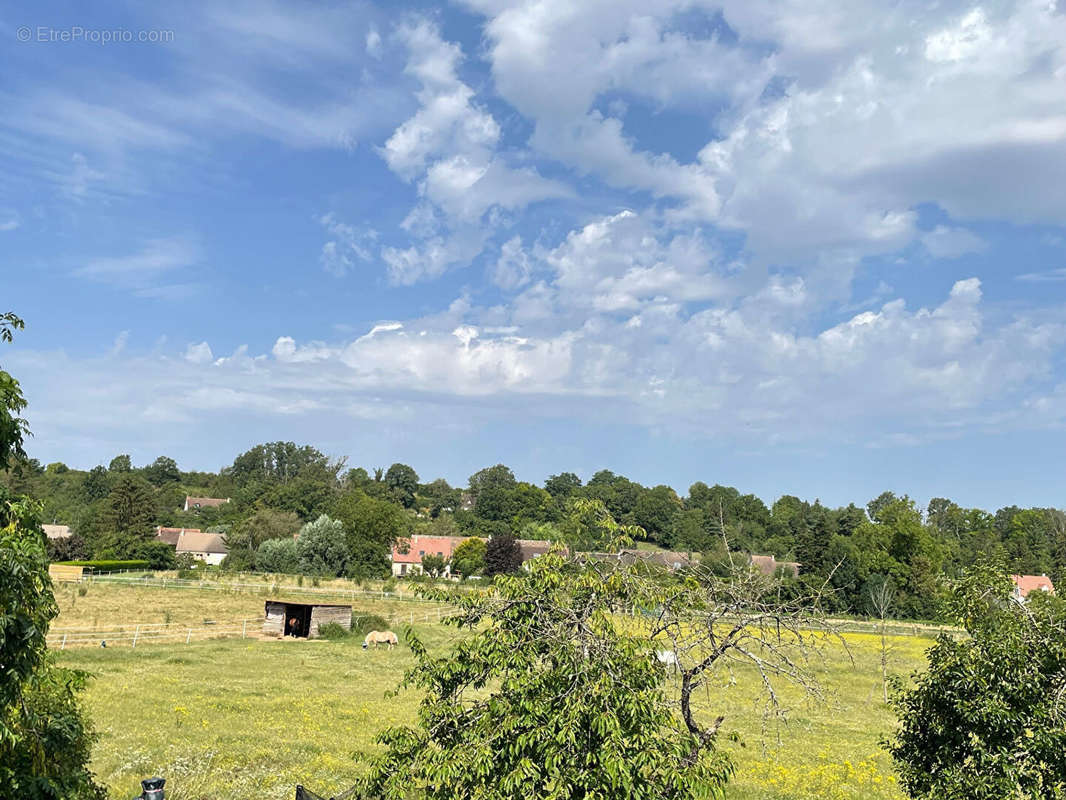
point(362, 624)
point(984, 721)
point(389, 585)
point(107, 565)
point(333, 630)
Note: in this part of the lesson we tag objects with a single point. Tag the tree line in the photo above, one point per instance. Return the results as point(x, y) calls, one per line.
point(277, 488)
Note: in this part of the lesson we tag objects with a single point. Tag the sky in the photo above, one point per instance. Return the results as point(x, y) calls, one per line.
point(803, 247)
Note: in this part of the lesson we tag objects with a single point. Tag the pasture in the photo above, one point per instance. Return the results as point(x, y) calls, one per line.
point(235, 718)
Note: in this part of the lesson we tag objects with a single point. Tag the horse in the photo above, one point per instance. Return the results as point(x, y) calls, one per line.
point(668, 658)
point(380, 637)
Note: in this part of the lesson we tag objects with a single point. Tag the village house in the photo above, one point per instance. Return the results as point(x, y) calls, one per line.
point(1024, 585)
point(171, 535)
point(407, 553)
point(206, 547)
point(769, 566)
point(196, 503)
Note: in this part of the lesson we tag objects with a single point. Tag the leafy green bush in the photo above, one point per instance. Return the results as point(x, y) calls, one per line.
point(333, 630)
point(985, 720)
point(362, 624)
point(107, 566)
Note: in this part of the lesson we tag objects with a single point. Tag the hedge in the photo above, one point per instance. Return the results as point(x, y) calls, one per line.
point(106, 566)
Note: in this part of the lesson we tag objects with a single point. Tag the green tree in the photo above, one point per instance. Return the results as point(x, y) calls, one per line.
point(45, 740)
point(277, 555)
point(280, 462)
point(120, 463)
point(243, 539)
point(163, 470)
point(371, 526)
point(402, 481)
point(985, 721)
point(127, 518)
point(468, 558)
point(563, 485)
point(434, 565)
point(323, 548)
point(96, 485)
point(497, 477)
point(503, 556)
point(547, 697)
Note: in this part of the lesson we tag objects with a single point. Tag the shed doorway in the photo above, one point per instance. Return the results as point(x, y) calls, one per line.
point(297, 620)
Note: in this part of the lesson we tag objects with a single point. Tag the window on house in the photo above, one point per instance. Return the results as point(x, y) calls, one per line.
point(421, 552)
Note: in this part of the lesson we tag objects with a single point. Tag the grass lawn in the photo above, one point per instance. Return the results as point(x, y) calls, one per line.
point(251, 719)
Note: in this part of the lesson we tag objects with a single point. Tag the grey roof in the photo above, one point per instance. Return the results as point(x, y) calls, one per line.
point(199, 542)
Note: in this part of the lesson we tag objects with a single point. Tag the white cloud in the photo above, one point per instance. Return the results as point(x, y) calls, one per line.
point(9, 220)
point(947, 242)
point(199, 353)
point(1047, 276)
point(449, 148)
point(141, 270)
point(349, 246)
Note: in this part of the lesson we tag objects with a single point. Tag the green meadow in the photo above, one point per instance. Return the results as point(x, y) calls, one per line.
point(251, 718)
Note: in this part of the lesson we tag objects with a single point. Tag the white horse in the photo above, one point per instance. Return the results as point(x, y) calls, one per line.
point(380, 637)
point(668, 658)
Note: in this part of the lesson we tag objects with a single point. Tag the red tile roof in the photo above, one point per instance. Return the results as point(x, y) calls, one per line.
point(1029, 583)
point(418, 546)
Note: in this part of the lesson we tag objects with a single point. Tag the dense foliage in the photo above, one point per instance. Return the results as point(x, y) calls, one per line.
point(548, 698)
point(45, 741)
point(987, 719)
point(275, 488)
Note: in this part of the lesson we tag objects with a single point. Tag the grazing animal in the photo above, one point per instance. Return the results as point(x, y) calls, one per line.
point(668, 658)
point(380, 637)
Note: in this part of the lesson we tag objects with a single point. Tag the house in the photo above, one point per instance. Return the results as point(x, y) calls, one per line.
point(206, 547)
point(1024, 585)
point(57, 531)
point(171, 535)
point(196, 503)
point(769, 565)
point(533, 548)
point(407, 553)
point(303, 620)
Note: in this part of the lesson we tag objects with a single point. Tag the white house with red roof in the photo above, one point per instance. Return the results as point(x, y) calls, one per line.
point(407, 553)
point(1024, 585)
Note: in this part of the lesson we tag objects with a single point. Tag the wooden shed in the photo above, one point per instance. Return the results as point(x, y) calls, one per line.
point(303, 619)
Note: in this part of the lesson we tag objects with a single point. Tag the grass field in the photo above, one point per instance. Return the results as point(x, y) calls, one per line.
point(252, 718)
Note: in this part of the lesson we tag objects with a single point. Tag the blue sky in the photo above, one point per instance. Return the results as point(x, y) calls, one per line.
point(816, 248)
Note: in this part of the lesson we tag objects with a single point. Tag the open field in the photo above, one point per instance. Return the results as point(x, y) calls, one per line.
point(238, 719)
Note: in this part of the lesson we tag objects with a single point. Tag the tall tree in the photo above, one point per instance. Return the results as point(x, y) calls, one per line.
point(323, 548)
point(120, 463)
point(280, 462)
point(163, 470)
point(45, 740)
point(503, 556)
point(402, 480)
point(497, 477)
point(563, 485)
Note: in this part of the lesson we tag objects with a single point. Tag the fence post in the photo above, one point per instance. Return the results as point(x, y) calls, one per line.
point(64, 645)
point(188, 635)
point(136, 634)
point(244, 631)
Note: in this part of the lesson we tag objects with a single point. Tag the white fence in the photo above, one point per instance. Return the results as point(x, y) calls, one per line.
point(256, 588)
point(134, 634)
